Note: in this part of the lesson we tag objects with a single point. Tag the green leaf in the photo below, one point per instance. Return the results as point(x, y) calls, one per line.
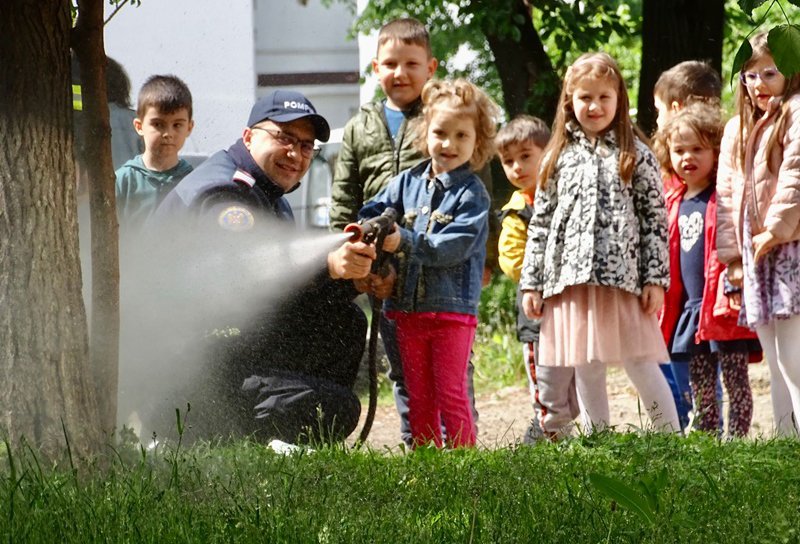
point(795, 2)
point(742, 55)
point(748, 6)
point(624, 495)
point(784, 43)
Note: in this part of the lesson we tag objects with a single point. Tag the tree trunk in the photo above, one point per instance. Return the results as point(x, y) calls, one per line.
point(674, 31)
point(104, 351)
point(44, 370)
point(529, 83)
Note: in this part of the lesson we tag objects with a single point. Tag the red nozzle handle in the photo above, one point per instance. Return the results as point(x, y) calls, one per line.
point(355, 231)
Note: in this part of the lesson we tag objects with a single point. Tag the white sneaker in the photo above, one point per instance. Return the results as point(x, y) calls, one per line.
point(284, 448)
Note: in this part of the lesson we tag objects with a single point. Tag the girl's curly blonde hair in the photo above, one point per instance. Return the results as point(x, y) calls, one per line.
point(702, 118)
point(460, 94)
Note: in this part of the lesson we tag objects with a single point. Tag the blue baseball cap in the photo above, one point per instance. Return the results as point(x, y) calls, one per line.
point(285, 106)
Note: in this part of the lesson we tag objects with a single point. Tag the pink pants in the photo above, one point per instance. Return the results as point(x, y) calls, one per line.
point(435, 348)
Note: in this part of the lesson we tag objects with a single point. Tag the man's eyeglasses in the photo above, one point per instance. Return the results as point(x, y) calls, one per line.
point(307, 148)
point(767, 75)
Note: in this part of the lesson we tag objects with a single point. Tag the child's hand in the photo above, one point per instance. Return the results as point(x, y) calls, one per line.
point(362, 284)
point(652, 298)
point(392, 241)
point(381, 286)
point(762, 244)
point(376, 285)
point(735, 274)
point(532, 304)
point(735, 301)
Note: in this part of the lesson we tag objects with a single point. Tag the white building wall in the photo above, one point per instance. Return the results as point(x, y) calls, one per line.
point(367, 50)
point(220, 48)
point(208, 44)
point(303, 45)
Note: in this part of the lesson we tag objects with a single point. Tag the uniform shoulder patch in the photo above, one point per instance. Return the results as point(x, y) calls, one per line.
point(236, 218)
point(243, 177)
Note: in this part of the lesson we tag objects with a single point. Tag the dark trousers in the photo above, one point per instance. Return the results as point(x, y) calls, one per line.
point(292, 380)
point(704, 373)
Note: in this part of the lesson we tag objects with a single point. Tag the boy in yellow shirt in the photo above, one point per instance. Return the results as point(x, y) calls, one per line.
point(520, 145)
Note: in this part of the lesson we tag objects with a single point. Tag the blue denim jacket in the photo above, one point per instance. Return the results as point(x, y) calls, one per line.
point(444, 225)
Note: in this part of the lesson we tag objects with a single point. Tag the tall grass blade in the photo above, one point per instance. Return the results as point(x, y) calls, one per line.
point(624, 495)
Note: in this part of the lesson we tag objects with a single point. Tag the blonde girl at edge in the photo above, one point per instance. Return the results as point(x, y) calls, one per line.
point(597, 258)
point(758, 219)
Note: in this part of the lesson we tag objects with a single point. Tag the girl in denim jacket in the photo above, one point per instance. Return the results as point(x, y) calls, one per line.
point(440, 248)
point(597, 260)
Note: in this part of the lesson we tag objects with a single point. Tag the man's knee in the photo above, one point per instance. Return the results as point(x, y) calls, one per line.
point(300, 409)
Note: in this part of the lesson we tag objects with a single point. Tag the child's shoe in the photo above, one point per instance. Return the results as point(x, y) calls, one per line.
point(534, 433)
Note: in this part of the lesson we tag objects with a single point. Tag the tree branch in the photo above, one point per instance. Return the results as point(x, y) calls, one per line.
point(118, 7)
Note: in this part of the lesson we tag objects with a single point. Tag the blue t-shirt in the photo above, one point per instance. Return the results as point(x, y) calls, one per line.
point(691, 223)
point(394, 118)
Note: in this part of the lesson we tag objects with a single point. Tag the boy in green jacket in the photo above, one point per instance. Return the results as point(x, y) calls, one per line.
point(378, 143)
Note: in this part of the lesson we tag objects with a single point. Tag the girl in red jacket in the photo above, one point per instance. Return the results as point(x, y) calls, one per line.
point(699, 319)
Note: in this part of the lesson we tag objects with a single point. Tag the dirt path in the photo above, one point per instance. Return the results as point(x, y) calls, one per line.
point(505, 414)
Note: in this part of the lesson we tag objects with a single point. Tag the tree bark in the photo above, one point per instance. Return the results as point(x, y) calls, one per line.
point(529, 83)
point(105, 318)
point(45, 388)
point(674, 31)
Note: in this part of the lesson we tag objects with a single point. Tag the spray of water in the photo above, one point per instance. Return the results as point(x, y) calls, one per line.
point(181, 289)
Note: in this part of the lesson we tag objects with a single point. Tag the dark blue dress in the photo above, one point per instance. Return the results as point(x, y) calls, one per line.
point(691, 225)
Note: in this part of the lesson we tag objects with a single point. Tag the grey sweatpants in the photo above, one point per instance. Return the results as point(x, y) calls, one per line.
point(555, 401)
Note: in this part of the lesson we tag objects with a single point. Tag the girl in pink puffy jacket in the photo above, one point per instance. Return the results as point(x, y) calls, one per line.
point(758, 218)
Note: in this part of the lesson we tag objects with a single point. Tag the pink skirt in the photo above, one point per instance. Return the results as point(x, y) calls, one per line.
point(590, 323)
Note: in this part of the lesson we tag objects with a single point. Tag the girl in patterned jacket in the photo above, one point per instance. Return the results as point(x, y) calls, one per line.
point(700, 315)
point(597, 260)
point(758, 216)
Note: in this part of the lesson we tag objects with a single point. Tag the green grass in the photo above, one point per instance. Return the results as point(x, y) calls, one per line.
point(604, 488)
point(497, 352)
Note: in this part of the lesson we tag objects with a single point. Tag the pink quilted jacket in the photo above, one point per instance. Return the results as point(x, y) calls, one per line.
point(773, 197)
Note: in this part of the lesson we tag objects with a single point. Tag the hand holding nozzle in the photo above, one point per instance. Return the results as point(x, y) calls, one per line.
point(377, 285)
point(369, 230)
point(374, 232)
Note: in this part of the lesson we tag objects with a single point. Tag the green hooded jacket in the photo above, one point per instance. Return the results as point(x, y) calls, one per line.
point(368, 159)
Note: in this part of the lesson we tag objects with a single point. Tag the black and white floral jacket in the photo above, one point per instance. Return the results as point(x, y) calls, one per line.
point(590, 227)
